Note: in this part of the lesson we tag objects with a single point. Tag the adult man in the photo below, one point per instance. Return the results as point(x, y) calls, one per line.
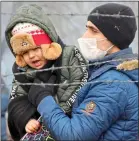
point(106, 108)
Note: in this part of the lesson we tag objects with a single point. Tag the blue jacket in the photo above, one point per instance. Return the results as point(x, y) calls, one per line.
point(106, 108)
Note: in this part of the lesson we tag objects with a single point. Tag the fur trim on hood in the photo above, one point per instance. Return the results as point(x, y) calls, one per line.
point(128, 65)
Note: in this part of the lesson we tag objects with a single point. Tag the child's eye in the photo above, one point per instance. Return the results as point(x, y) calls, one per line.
point(25, 53)
point(37, 48)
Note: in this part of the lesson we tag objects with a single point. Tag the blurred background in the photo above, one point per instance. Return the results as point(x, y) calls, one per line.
point(69, 19)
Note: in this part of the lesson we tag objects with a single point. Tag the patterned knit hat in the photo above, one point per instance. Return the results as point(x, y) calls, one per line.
point(39, 36)
point(28, 36)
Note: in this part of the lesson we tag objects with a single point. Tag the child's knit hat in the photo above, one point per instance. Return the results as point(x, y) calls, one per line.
point(28, 36)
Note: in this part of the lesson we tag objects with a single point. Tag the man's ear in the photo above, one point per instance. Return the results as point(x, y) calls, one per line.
point(20, 61)
point(51, 51)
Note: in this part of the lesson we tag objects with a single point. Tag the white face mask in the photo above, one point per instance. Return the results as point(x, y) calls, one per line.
point(88, 47)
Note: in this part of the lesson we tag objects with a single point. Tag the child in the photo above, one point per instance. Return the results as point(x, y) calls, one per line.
point(36, 45)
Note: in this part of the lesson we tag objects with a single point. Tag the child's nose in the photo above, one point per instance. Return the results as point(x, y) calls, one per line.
point(31, 54)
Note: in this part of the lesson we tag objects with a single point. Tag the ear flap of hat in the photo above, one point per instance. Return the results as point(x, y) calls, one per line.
point(51, 51)
point(20, 61)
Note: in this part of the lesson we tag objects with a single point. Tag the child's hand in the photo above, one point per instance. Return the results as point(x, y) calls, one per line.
point(32, 126)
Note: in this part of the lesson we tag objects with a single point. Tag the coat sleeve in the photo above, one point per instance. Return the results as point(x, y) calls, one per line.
point(20, 110)
point(109, 101)
point(75, 75)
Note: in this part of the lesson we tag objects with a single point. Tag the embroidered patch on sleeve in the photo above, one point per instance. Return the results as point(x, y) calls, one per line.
point(89, 107)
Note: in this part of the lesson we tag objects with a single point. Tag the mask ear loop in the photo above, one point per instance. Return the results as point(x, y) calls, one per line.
point(109, 48)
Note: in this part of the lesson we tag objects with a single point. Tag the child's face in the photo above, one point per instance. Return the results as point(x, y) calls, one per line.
point(34, 58)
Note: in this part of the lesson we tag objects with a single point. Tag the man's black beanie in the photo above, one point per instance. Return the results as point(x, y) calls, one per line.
point(119, 30)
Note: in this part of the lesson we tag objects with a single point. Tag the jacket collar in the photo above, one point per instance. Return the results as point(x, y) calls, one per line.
point(100, 66)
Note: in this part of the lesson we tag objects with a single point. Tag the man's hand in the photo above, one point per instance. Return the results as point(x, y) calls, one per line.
point(38, 92)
